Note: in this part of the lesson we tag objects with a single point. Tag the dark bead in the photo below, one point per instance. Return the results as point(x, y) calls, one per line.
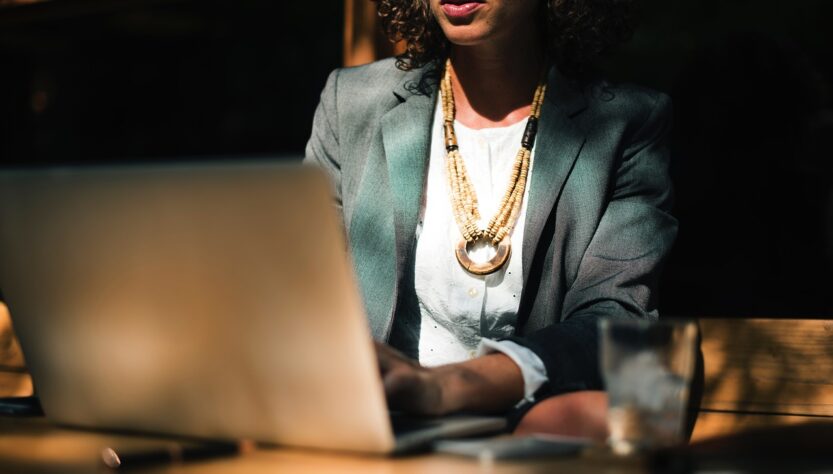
point(529, 133)
point(450, 148)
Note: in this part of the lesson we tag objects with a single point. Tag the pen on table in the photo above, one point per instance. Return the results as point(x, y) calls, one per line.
point(171, 453)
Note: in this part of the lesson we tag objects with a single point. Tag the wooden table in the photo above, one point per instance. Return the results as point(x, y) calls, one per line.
point(34, 445)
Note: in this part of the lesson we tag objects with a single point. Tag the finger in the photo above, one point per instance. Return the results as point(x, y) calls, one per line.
point(382, 359)
point(390, 358)
point(402, 389)
point(411, 390)
point(389, 351)
point(385, 356)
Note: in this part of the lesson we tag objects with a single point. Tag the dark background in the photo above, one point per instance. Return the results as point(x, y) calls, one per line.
point(751, 84)
point(98, 80)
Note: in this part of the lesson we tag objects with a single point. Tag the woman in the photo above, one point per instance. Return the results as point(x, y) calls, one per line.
point(496, 204)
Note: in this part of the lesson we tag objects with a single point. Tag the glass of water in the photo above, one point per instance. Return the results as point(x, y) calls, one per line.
point(647, 368)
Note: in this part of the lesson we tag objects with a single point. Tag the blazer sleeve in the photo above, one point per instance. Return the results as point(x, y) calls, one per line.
point(323, 146)
point(619, 271)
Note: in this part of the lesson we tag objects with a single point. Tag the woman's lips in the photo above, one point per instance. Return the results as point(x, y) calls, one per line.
point(460, 10)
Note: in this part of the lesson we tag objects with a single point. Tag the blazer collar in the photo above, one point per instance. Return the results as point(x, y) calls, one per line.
point(406, 136)
point(558, 143)
point(564, 93)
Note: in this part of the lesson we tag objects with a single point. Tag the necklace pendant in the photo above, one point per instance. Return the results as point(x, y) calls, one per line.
point(503, 250)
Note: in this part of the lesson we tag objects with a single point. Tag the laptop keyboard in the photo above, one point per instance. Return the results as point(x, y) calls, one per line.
point(403, 424)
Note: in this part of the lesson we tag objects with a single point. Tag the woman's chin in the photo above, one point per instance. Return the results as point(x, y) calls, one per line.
point(468, 35)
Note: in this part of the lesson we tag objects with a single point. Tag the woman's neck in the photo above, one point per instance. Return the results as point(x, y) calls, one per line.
point(493, 87)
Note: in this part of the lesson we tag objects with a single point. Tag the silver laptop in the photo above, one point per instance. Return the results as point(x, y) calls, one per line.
point(213, 301)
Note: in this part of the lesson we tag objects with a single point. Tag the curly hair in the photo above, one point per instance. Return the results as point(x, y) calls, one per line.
point(576, 31)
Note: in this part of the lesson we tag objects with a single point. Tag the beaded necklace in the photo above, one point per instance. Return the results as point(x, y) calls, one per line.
point(463, 197)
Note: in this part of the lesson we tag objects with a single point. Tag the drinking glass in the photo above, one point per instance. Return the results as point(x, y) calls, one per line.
point(647, 368)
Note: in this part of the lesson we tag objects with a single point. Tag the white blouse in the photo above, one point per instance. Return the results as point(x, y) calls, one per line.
point(461, 313)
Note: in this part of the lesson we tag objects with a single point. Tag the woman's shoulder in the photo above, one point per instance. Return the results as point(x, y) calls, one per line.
point(384, 70)
point(359, 96)
point(369, 83)
point(625, 101)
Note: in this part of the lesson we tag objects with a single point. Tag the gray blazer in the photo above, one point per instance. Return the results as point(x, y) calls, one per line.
point(597, 227)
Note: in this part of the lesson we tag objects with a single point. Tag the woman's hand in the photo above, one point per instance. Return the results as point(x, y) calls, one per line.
point(488, 384)
point(408, 386)
point(579, 414)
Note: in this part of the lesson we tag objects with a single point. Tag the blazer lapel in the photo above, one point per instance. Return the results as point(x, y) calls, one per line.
point(406, 134)
point(558, 143)
point(382, 232)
